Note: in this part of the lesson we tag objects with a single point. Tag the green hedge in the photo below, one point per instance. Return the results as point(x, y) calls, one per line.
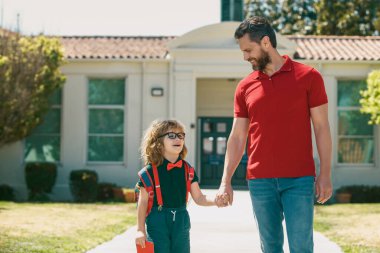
point(362, 193)
point(6, 193)
point(84, 185)
point(40, 178)
point(105, 192)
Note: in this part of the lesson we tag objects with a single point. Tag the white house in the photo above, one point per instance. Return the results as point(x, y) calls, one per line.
point(117, 85)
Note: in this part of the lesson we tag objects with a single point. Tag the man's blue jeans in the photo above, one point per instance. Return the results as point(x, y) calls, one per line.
point(274, 199)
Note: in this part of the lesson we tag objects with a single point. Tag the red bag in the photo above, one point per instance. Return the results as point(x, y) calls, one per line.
point(149, 247)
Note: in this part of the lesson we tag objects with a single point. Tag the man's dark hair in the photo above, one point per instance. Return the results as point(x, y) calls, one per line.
point(257, 27)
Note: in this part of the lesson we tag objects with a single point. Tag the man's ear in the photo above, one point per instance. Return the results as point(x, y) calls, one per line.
point(265, 42)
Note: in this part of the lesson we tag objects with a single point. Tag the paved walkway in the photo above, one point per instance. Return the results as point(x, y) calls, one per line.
point(223, 230)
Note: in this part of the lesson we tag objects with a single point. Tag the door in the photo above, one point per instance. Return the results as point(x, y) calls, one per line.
point(214, 132)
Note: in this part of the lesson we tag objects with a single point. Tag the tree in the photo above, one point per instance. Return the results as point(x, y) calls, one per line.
point(298, 17)
point(270, 9)
point(342, 17)
point(370, 102)
point(29, 74)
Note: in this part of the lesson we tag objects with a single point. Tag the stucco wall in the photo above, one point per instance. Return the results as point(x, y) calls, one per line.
point(347, 174)
point(194, 72)
point(140, 109)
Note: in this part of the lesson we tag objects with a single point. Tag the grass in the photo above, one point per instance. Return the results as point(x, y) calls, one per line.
point(61, 227)
point(76, 228)
point(354, 227)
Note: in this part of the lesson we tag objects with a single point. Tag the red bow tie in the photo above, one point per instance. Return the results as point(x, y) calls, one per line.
point(174, 165)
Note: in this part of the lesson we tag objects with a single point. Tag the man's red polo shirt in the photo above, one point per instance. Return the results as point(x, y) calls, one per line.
point(278, 109)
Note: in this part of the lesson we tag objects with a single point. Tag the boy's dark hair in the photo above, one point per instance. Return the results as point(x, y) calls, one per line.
point(257, 27)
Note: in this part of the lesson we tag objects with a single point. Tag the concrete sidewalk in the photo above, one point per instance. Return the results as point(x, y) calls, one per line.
point(222, 230)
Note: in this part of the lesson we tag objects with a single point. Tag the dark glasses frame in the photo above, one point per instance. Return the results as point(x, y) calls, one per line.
point(173, 135)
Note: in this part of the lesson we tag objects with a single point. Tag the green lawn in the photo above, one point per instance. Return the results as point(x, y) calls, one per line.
point(76, 228)
point(355, 227)
point(61, 227)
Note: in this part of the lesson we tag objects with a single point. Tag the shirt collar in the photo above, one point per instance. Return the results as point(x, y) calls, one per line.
point(165, 162)
point(287, 66)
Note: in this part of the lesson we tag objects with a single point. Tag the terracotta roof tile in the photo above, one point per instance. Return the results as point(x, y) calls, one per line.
point(337, 48)
point(109, 47)
point(330, 48)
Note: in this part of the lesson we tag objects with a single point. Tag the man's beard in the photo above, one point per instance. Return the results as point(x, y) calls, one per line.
point(262, 61)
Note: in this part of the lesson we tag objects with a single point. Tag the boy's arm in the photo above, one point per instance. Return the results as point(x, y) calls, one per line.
point(198, 196)
point(141, 216)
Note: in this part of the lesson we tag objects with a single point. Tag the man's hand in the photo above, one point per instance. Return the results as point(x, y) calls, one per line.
point(221, 201)
point(224, 195)
point(323, 188)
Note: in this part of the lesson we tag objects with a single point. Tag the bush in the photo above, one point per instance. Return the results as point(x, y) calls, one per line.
point(40, 178)
point(6, 193)
point(130, 195)
point(84, 185)
point(105, 192)
point(118, 194)
point(362, 193)
point(29, 74)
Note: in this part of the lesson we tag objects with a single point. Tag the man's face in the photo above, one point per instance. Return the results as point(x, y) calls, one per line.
point(254, 53)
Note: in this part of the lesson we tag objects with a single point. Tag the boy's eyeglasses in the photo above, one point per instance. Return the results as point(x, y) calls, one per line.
point(172, 135)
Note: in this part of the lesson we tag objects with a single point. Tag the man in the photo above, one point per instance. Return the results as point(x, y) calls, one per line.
point(273, 107)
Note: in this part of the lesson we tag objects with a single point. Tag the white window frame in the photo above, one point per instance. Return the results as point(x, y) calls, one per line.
point(107, 107)
point(374, 136)
point(54, 106)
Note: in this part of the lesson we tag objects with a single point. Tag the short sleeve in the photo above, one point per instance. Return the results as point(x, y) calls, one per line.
point(240, 106)
point(150, 171)
point(316, 94)
point(140, 184)
point(195, 179)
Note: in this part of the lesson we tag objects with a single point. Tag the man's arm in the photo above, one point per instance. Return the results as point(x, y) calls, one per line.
point(235, 150)
point(319, 117)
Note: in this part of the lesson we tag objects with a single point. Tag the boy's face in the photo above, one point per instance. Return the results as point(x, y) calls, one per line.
point(173, 142)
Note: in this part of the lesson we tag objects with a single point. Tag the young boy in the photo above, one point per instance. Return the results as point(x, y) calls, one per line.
point(170, 179)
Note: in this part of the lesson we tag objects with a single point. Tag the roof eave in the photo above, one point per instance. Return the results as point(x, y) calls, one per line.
point(80, 60)
point(339, 61)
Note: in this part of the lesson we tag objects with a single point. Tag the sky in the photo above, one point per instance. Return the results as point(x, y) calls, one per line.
point(108, 17)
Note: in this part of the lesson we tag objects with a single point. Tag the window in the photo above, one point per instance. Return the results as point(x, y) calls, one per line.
point(106, 120)
point(355, 136)
point(44, 144)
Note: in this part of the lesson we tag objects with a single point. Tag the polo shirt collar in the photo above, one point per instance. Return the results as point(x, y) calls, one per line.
point(165, 162)
point(287, 66)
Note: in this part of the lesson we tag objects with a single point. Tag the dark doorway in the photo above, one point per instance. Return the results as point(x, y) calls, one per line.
point(214, 132)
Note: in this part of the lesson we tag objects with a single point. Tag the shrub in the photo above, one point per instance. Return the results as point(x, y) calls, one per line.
point(118, 194)
point(362, 193)
point(130, 195)
point(84, 185)
point(40, 178)
point(105, 192)
point(6, 193)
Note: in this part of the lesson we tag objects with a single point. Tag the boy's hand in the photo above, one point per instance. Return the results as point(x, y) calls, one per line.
point(226, 199)
point(222, 201)
point(140, 238)
point(226, 192)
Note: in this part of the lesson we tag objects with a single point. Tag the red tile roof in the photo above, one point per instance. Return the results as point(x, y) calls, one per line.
point(107, 47)
point(4, 31)
point(329, 48)
point(337, 48)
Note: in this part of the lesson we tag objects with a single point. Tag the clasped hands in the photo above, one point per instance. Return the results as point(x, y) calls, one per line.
point(221, 200)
